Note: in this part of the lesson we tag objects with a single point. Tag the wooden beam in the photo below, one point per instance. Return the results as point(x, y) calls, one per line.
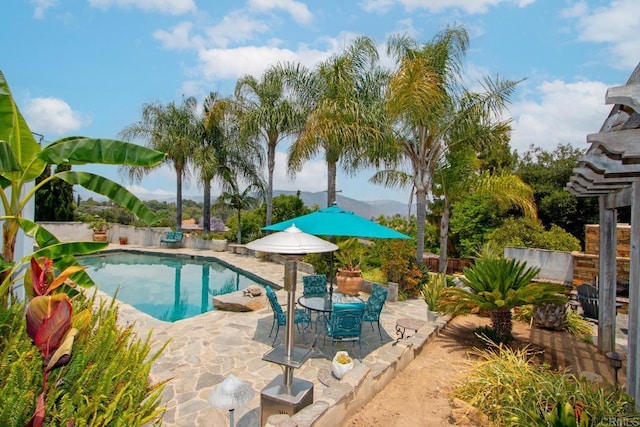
point(628, 95)
point(618, 145)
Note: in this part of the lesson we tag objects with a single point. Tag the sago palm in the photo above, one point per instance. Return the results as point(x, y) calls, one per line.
point(496, 286)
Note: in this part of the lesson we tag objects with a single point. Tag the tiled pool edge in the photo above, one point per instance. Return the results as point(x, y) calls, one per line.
point(361, 383)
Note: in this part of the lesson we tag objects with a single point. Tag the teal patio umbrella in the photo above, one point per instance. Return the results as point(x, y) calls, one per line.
point(335, 221)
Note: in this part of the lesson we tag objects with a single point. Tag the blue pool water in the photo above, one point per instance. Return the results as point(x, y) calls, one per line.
point(167, 288)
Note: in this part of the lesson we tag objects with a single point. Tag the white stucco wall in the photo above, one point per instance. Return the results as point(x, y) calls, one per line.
point(554, 266)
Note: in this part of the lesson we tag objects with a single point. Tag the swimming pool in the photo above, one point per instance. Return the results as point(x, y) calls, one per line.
point(166, 287)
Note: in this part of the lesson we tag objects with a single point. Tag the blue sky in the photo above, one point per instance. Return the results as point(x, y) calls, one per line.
point(86, 67)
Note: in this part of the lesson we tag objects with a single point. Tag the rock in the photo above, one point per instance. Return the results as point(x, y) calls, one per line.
point(237, 301)
point(465, 414)
point(252, 291)
point(593, 377)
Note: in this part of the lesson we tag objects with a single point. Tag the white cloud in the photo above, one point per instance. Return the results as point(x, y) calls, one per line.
point(53, 116)
point(237, 26)
point(565, 113)
point(169, 7)
point(147, 194)
point(41, 6)
point(253, 60)
point(179, 37)
point(298, 11)
point(611, 25)
point(468, 6)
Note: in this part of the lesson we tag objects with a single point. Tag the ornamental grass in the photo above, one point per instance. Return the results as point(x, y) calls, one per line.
point(513, 391)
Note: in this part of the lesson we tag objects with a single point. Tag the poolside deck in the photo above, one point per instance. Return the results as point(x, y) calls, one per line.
point(204, 349)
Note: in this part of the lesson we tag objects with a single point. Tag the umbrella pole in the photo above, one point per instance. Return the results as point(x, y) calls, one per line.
point(331, 275)
point(290, 280)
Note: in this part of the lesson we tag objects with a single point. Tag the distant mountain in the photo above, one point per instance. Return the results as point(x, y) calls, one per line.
point(368, 209)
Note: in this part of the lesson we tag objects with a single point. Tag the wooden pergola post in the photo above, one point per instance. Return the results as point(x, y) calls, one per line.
point(633, 355)
point(607, 278)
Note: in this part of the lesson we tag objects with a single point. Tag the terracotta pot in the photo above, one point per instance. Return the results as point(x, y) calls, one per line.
point(100, 236)
point(349, 282)
point(123, 240)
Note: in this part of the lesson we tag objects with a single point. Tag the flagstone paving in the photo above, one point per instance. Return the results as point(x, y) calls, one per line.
point(203, 350)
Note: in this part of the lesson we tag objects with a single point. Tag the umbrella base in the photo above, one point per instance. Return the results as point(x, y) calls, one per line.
point(277, 398)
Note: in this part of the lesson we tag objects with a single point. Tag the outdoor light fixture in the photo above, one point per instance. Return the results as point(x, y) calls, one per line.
point(230, 394)
point(615, 361)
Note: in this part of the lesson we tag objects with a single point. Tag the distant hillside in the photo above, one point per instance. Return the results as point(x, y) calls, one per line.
point(369, 209)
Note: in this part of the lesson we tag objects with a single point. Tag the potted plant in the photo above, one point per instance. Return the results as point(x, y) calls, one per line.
point(123, 240)
point(431, 291)
point(99, 226)
point(349, 257)
point(341, 364)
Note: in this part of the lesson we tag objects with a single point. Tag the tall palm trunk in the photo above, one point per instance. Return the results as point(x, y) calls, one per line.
point(271, 163)
point(179, 173)
point(421, 216)
point(444, 235)
point(239, 235)
point(206, 210)
point(502, 324)
point(331, 182)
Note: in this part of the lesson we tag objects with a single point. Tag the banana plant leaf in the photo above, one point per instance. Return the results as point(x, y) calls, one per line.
point(112, 190)
point(8, 162)
point(15, 131)
point(79, 150)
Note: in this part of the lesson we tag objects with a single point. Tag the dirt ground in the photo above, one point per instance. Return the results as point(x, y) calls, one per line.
point(419, 395)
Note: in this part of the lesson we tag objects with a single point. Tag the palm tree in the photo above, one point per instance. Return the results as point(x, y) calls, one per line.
point(207, 153)
point(426, 101)
point(233, 197)
point(269, 115)
point(342, 98)
point(224, 154)
point(458, 176)
point(171, 129)
point(496, 286)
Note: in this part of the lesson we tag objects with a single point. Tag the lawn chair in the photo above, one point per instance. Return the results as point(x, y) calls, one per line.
point(345, 324)
point(173, 238)
point(374, 305)
point(280, 316)
point(588, 299)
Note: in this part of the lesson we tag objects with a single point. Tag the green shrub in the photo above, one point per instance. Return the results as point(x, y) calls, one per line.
point(527, 234)
point(511, 390)
point(399, 266)
point(106, 381)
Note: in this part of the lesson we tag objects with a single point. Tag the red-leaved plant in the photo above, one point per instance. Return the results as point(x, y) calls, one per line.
point(50, 321)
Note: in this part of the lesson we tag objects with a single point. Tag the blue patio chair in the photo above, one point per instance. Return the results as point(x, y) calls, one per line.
point(314, 285)
point(374, 306)
point(345, 324)
point(280, 316)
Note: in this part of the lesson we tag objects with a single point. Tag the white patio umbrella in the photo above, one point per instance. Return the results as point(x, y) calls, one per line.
point(293, 244)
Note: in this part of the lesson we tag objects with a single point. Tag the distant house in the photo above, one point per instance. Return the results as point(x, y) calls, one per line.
point(190, 226)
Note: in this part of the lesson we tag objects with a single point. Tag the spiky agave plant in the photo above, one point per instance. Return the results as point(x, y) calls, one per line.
point(496, 286)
